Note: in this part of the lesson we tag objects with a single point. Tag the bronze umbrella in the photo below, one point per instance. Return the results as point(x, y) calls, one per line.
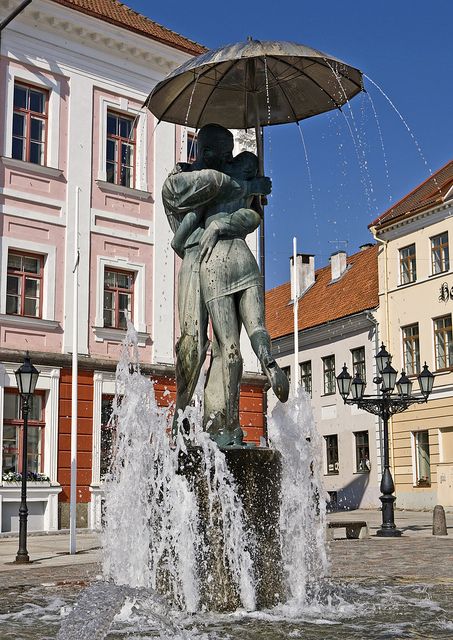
point(253, 84)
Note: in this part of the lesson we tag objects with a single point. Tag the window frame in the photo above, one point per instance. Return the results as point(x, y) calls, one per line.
point(414, 340)
point(329, 379)
point(29, 114)
point(410, 262)
point(445, 261)
point(18, 423)
point(23, 275)
point(329, 448)
point(419, 480)
point(119, 140)
point(117, 290)
point(191, 146)
point(308, 376)
point(449, 343)
point(357, 448)
point(359, 365)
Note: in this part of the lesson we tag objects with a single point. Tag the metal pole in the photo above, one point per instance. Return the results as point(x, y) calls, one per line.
point(296, 318)
point(22, 556)
point(388, 528)
point(75, 373)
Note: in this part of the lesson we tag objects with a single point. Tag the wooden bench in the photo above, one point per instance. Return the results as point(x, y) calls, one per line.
point(355, 529)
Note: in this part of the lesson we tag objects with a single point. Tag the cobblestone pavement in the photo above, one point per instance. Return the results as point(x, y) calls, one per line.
point(416, 556)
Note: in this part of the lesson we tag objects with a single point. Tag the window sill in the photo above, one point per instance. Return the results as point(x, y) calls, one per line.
point(421, 486)
point(118, 335)
point(29, 323)
point(406, 284)
point(13, 163)
point(332, 393)
point(332, 473)
point(110, 187)
point(360, 473)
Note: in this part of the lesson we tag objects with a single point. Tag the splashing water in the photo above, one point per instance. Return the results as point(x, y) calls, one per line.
point(303, 508)
point(153, 537)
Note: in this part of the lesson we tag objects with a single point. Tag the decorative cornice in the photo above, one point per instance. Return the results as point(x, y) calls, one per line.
point(125, 191)
point(94, 32)
point(25, 322)
point(118, 335)
point(338, 328)
point(413, 223)
point(30, 167)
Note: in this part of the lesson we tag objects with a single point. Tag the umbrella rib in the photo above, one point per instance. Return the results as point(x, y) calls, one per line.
point(309, 77)
point(212, 91)
point(284, 93)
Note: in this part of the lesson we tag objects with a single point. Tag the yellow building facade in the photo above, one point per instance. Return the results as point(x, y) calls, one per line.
point(415, 318)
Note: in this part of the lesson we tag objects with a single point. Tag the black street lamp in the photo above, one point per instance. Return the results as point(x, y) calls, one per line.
point(26, 377)
point(385, 405)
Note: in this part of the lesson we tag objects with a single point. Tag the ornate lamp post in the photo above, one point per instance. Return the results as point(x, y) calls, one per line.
point(26, 377)
point(385, 405)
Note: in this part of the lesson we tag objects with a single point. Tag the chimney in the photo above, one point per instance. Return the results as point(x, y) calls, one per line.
point(364, 247)
point(305, 267)
point(338, 264)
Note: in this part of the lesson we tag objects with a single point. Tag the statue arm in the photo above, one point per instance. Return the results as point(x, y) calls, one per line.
point(185, 191)
point(237, 224)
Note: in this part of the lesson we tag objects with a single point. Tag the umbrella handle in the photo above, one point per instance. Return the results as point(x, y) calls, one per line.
point(260, 154)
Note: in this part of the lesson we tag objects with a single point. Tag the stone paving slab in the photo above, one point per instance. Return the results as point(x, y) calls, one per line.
point(417, 555)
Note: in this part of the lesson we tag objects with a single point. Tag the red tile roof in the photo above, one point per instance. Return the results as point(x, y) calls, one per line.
point(428, 194)
point(120, 15)
point(355, 291)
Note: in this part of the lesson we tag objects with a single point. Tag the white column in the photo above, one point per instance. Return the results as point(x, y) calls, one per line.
point(2, 397)
point(51, 433)
point(79, 174)
point(97, 407)
point(164, 261)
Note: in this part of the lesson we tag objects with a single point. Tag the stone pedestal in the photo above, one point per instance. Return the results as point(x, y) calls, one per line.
point(257, 473)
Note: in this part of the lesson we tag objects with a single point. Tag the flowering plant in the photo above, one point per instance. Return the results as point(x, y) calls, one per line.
point(14, 476)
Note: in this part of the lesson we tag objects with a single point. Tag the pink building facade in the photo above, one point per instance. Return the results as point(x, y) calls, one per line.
point(76, 144)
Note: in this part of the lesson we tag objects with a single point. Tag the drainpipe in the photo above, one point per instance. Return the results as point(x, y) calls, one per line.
point(370, 317)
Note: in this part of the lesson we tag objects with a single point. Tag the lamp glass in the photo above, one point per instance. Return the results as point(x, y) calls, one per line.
point(27, 377)
point(389, 375)
point(383, 358)
point(426, 381)
point(344, 381)
point(404, 385)
point(358, 387)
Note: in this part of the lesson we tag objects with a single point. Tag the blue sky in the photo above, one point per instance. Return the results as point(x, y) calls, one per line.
point(402, 45)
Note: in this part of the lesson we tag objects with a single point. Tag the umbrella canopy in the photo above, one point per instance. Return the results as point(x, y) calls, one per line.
point(252, 84)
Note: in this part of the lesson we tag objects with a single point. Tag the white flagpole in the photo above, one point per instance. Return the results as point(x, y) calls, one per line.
point(295, 296)
point(75, 372)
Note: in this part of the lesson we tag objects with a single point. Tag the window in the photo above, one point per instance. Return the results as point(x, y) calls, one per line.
point(422, 459)
point(29, 124)
point(440, 260)
point(332, 454)
point(358, 361)
point(329, 374)
point(411, 349)
point(12, 433)
point(443, 340)
point(118, 298)
point(362, 451)
point(24, 284)
point(108, 432)
point(408, 271)
point(305, 376)
point(120, 152)
point(191, 147)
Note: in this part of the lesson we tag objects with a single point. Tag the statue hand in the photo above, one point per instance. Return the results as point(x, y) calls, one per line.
point(209, 240)
point(260, 186)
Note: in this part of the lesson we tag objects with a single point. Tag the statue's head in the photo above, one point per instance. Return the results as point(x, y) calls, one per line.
point(215, 146)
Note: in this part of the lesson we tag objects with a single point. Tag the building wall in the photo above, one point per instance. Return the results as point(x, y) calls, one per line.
point(88, 66)
point(407, 304)
point(332, 417)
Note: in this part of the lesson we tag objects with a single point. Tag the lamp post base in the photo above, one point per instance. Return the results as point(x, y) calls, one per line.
point(22, 559)
point(389, 533)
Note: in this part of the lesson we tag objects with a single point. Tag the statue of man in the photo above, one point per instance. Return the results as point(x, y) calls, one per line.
point(208, 204)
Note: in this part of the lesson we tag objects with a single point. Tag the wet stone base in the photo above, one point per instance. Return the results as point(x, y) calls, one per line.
point(257, 473)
